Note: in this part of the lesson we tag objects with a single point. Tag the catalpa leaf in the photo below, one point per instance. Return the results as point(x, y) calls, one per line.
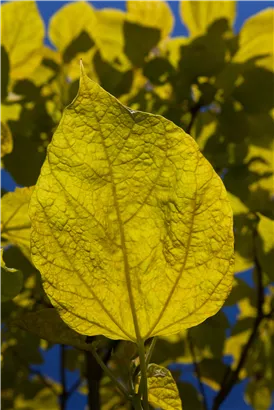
point(162, 389)
point(47, 324)
point(11, 281)
point(15, 227)
point(142, 11)
point(69, 22)
point(131, 226)
point(199, 15)
point(22, 34)
point(256, 39)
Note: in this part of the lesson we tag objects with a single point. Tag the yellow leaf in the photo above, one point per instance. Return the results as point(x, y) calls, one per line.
point(155, 14)
point(256, 39)
point(69, 22)
point(110, 35)
point(265, 245)
point(162, 389)
point(131, 226)
point(22, 35)
point(199, 15)
point(6, 140)
point(15, 219)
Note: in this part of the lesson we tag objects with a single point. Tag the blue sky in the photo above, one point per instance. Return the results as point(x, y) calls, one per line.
point(235, 401)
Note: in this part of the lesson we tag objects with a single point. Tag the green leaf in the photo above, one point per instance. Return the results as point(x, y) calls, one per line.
point(15, 219)
point(139, 41)
point(156, 14)
point(22, 36)
point(6, 139)
point(69, 22)
point(256, 40)
point(127, 206)
point(80, 44)
point(199, 15)
point(5, 73)
point(189, 396)
point(212, 372)
point(47, 324)
point(162, 389)
point(11, 281)
point(258, 394)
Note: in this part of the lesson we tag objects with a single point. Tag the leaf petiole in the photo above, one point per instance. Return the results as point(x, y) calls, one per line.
point(109, 373)
point(143, 381)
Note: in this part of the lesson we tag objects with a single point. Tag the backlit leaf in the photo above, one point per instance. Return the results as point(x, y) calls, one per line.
point(153, 14)
point(22, 32)
point(256, 39)
point(199, 15)
point(69, 22)
point(6, 139)
point(265, 245)
point(162, 389)
point(11, 281)
point(132, 228)
point(15, 219)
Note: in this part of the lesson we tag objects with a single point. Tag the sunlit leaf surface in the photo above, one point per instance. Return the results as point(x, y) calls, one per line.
point(132, 229)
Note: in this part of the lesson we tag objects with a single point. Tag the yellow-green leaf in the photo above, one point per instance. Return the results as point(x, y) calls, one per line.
point(11, 281)
point(265, 245)
point(109, 34)
point(256, 39)
point(6, 139)
point(199, 15)
point(131, 226)
point(48, 325)
point(15, 219)
point(22, 35)
point(162, 389)
point(258, 394)
point(68, 23)
point(155, 14)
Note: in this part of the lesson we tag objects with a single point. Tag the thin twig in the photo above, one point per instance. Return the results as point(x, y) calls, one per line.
point(64, 394)
point(197, 371)
point(194, 112)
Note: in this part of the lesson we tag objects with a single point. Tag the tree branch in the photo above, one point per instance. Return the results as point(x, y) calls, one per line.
point(194, 112)
point(233, 376)
point(197, 371)
point(64, 393)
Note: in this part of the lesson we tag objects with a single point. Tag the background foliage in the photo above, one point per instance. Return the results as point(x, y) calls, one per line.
point(218, 87)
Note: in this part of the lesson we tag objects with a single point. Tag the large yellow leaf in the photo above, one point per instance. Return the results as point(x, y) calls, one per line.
point(199, 15)
point(155, 14)
point(22, 35)
point(162, 389)
point(15, 222)
point(131, 226)
point(69, 22)
point(256, 39)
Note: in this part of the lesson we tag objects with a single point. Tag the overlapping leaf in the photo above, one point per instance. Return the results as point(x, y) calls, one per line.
point(199, 15)
point(22, 32)
point(15, 219)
